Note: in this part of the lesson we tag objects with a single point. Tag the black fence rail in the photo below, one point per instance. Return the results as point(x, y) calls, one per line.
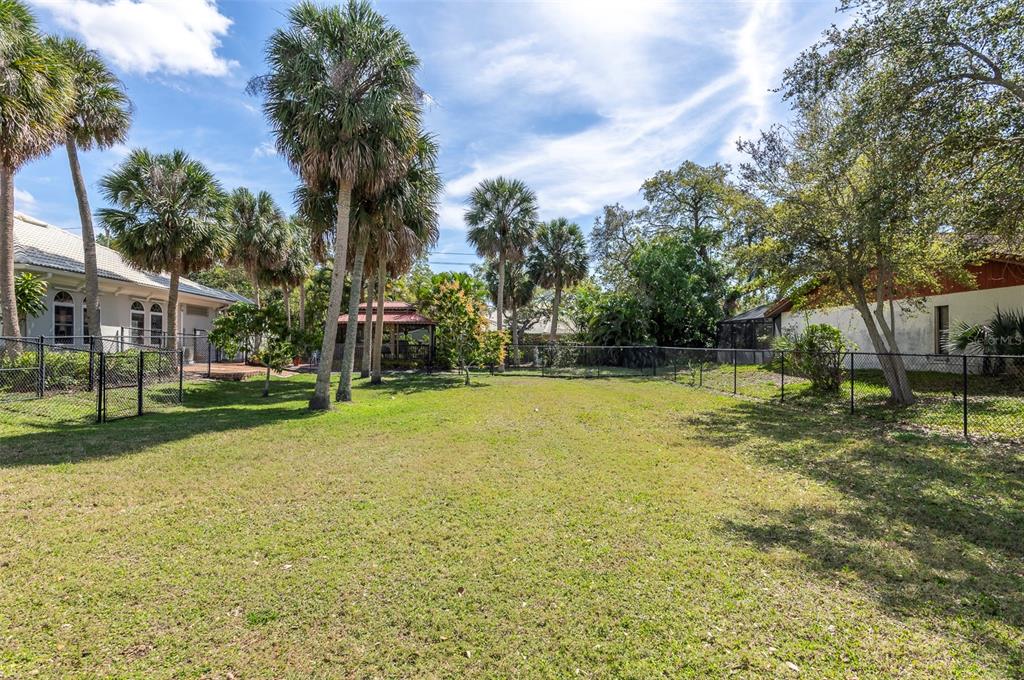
point(964, 395)
point(43, 381)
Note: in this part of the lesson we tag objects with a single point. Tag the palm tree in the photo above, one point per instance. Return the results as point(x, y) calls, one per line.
point(501, 218)
point(519, 291)
point(408, 213)
point(260, 234)
point(100, 117)
point(341, 99)
point(167, 217)
point(558, 259)
point(36, 97)
point(292, 268)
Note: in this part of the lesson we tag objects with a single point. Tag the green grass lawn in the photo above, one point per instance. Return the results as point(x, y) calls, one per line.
point(525, 527)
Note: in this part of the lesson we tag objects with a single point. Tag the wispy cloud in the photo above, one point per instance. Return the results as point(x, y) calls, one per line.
point(653, 98)
point(150, 36)
point(24, 201)
point(264, 150)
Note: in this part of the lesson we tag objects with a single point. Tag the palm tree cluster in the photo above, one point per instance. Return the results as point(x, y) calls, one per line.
point(522, 252)
point(344, 107)
point(342, 100)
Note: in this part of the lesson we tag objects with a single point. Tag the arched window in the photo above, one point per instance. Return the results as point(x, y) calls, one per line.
point(138, 323)
point(63, 317)
point(156, 324)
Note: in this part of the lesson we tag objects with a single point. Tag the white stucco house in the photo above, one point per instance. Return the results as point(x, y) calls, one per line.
point(133, 303)
point(921, 323)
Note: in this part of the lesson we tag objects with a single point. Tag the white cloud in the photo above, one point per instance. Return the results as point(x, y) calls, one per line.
point(149, 36)
point(23, 200)
point(658, 83)
point(264, 150)
point(761, 54)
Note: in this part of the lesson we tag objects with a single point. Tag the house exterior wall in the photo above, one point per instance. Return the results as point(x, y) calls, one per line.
point(916, 325)
point(116, 299)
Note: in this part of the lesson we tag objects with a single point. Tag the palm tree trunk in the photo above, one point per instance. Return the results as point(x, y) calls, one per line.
point(500, 302)
point(553, 336)
point(92, 280)
point(256, 289)
point(364, 370)
point(321, 400)
point(378, 331)
point(172, 310)
point(8, 301)
point(348, 356)
point(302, 306)
point(288, 307)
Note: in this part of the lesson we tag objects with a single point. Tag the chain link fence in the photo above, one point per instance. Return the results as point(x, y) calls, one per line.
point(963, 395)
point(43, 382)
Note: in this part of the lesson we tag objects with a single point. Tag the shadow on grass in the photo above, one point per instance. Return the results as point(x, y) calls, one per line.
point(934, 528)
point(411, 383)
point(209, 407)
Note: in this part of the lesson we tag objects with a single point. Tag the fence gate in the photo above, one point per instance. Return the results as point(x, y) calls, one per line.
point(119, 386)
point(132, 383)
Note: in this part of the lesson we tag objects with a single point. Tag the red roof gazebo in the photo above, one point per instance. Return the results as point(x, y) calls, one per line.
point(408, 335)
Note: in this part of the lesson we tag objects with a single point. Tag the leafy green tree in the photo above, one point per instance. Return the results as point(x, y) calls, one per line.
point(680, 290)
point(234, 279)
point(166, 217)
point(493, 346)
point(260, 234)
point(36, 98)
point(691, 201)
point(342, 101)
point(261, 332)
point(99, 118)
point(616, 318)
point(461, 323)
point(502, 216)
point(844, 220)
point(950, 71)
point(558, 259)
point(615, 236)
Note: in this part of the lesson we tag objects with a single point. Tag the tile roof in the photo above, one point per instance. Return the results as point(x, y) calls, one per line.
point(39, 244)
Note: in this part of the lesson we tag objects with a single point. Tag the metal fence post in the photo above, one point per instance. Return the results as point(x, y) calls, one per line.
point(654, 361)
point(181, 376)
point(209, 360)
point(700, 372)
point(783, 398)
point(965, 395)
point(41, 367)
point(139, 382)
point(852, 382)
point(734, 370)
point(101, 392)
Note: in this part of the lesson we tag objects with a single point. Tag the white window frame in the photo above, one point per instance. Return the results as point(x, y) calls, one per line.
point(154, 340)
point(137, 335)
point(68, 339)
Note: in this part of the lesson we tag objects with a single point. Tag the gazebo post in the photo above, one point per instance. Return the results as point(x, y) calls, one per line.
point(430, 360)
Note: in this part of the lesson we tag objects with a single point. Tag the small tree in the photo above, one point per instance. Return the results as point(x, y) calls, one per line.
point(460, 323)
point(492, 349)
point(260, 331)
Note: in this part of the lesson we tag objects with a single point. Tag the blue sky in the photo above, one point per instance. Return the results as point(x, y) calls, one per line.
point(582, 100)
